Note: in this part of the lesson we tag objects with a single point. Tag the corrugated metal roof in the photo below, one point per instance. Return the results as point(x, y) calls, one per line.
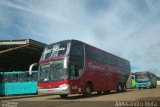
point(19, 54)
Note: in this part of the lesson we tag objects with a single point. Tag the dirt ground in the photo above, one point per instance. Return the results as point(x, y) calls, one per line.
point(131, 95)
point(142, 96)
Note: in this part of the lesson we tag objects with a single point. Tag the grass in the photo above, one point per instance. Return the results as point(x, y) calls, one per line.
point(158, 86)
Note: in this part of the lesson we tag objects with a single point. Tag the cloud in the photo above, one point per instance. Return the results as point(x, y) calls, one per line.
point(129, 29)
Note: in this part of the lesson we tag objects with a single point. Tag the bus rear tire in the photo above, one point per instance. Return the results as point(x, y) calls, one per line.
point(64, 95)
point(106, 92)
point(119, 88)
point(124, 89)
point(155, 86)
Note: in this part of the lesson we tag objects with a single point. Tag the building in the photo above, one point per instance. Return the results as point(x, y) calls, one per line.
point(18, 55)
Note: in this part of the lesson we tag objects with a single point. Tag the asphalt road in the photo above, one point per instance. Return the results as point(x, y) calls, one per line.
point(145, 97)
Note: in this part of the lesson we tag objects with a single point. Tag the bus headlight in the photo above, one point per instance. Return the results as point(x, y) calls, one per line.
point(63, 86)
point(149, 82)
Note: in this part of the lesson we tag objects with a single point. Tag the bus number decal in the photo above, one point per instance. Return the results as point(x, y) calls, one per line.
point(74, 87)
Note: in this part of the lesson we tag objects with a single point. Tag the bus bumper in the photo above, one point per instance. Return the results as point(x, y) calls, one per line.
point(143, 85)
point(57, 91)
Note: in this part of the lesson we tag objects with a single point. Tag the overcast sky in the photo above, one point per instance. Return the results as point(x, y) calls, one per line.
point(127, 28)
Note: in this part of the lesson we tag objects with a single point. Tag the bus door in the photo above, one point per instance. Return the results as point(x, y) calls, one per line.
point(76, 64)
point(75, 71)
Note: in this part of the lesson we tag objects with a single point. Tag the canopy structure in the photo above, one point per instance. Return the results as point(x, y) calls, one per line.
point(18, 55)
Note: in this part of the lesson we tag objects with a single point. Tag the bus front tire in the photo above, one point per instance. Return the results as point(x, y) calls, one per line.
point(64, 95)
point(88, 91)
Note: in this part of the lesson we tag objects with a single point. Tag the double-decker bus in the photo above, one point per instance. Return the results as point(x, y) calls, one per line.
point(145, 79)
point(72, 67)
point(19, 82)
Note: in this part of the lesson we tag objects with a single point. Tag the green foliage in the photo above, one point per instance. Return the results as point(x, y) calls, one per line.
point(158, 78)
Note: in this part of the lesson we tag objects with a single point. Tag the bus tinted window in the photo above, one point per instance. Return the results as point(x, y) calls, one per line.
point(76, 61)
point(95, 54)
point(76, 65)
point(107, 58)
point(23, 77)
point(34, 76)
point(77, 49)
point(55, 50)
point(10, 77)
point(1, 78)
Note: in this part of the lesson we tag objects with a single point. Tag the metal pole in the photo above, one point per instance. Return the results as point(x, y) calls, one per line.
point(11, 49)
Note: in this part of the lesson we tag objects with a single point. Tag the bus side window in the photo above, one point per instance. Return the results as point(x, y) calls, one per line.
point(74, 71)
point(11, 77)
point(23, 77)
point(1, 78)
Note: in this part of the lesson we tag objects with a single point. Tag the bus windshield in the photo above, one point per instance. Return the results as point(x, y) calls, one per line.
point(55, 50)
point(142, 77)
point(52, 71)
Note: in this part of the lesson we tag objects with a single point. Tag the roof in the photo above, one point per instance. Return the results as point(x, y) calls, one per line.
point(19, 54)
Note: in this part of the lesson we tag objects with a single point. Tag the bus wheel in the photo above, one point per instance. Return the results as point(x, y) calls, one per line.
point(106, 92)
point(119, 88)
point(154, 86)
point(124, 88)
point(99, 92)
point(64, 95)
point(88, 91)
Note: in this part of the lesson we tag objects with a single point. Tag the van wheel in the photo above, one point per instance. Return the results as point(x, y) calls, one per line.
point(88, 91)
point(64, 95)
point(119, 88)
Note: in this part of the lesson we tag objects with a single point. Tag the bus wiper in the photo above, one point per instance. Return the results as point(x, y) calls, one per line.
point(46, 80)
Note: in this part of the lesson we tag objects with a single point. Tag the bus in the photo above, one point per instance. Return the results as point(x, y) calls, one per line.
point(133, 80)
point(145, 79)
point(17, 83)
point(74, 67)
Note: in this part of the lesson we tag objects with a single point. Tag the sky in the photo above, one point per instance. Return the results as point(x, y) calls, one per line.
point(127, 28)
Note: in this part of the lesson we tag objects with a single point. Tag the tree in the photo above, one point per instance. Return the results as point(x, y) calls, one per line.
point(158, 78)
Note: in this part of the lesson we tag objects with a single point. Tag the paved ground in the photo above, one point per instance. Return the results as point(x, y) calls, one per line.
point(78, 101)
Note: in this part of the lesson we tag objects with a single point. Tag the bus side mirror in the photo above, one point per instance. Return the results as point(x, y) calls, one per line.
point(30, 68)
point(65, 62)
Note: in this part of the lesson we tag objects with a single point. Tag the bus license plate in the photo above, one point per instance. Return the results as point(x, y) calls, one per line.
point(49, 91)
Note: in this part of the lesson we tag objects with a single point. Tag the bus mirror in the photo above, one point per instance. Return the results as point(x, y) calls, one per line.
point(31, 66)
point(65, 62)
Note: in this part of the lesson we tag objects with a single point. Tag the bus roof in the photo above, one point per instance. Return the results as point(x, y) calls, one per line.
point(18, 55)
point(144, 72)
point(71, 40)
